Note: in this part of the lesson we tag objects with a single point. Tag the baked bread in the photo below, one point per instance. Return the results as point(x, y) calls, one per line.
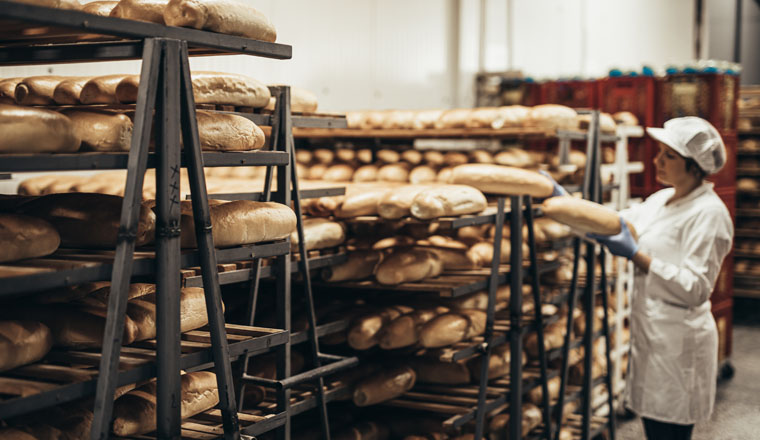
point(482, 117)
point(426, 119)
point(386, 385)
point(101, 8)
point(404, 330)
point(455, 118)
point(365, 173)
point(498, 363)
point(584, 216)
point(37, 90)
point(228, 132)
point(497, 179)
point(223, 16)
point(102, 89)
point(23, 342)
point(345, 154)
point(35, 130)
point(433, 158)
point(514, 157)
point(407, 266)
point(447, 200)
point(553, 117)
point(359, 265)
point(397, 203)
point(437, 372)
point(511, 116)
point(8, 90)
point(365, 329)
point(101, 130)
point(142, 311)
point(23, 237)
point(444, 174)
point(361, 200)
point(135, 412)
point(143, 10)
point(338, 173)
point(241, 222)
point(444, 330)
point(324, 155)
point(393, 172)
point(319, 233)
point(625, 118)
point(481, 156)
point(412, 157)
point(301, 101)
point(67, 91)
point(422, 174)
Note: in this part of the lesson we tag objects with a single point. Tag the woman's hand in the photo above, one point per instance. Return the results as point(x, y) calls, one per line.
point(558, 189)
point(621, 244)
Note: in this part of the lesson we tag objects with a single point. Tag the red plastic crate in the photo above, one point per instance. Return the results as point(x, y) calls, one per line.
point(531, 94)
point(634, 94)
point(728, 195)
point(712, 96)
point(576, 94)
point(723, 313)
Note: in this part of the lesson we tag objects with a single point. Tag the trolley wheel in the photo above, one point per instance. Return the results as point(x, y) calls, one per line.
point(726, 371)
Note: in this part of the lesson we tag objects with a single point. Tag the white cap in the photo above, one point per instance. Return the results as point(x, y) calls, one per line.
point(695, 138)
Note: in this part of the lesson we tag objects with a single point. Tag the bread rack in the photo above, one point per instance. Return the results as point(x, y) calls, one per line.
point(40, 35)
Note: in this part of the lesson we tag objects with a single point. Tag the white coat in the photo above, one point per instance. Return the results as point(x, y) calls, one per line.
point(674, 340)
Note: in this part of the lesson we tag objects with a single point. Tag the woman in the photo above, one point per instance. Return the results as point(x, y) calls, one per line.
point(685, 232)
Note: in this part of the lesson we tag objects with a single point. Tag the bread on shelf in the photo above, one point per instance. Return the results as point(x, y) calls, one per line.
point(23, 237)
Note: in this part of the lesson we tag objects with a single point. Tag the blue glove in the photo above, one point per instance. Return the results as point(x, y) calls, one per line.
point(621, 244)
point(558, 189)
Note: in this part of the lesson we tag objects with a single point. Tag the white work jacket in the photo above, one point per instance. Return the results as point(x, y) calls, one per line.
point(674, 340)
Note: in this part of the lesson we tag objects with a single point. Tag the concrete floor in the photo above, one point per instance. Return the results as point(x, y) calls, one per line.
point(737, 405)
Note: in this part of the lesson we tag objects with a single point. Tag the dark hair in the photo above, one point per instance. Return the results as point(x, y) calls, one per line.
point(694, 168)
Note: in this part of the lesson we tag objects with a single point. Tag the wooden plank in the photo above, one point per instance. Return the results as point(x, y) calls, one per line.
point(23, 387)
point(428, 406)
point(57, 373)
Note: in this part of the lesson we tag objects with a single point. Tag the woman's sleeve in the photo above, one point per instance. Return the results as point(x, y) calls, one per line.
point(690, 283)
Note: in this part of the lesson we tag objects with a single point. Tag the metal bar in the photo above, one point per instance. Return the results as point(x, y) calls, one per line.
point(92, 24)
point(493, 283)
point(306, 376)
point(205, 240)
point(260, 196)
point(538, 317)
point(458, 421)
point(125, 246)
point(515, 314)
point(168, 392)
point(608, 348)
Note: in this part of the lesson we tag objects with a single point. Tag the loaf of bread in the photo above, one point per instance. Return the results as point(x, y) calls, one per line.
point(8, 90)
point(386, 385)
point(511, 116)
point(241, 222)
point(23, 237)
point(404, 330)
point(364, 330)
point(228, 132)
point(143, 10)
point(584, 216)
point(454, 158)
point(482, 117)
point(397, 203)
point(89, 220)
point(394, 172)
point(301, 101)
point(223, 16)
point(554, 337)
point(101, 130)
point(320, 233)
point(101, 8)
point(406, 266)
point(37, 90)
point(142, 311)
point(498, 363)
point(444, 330)
point(625, 118)
point(135, 412)
point(397, 241)
point(606, 122)
point(536, 394)
point(447, 200)
point(338, 173)
point(455, 259)
point(497, 179)
point(531, 418)
point(437, 372)
point(359, 265)
point(95, 294)
point(422, 174)
point(412, 157)
point(68, 90)
point(15, 434)
point(345, 154)
point(514, 156)
point(23, 342)
point(365, 173)
point(455, 118)
point(426, 119)
point(34, 130)
point(324, 155)
point(102, 89)
point(553, 117)
point(481, 156)
point(361, 200)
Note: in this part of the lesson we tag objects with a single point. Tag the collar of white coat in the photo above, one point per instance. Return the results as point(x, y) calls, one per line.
point(695, 193)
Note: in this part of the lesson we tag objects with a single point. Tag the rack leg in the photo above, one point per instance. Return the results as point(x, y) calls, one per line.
point(608, 349)
point(515, 312)
point(125, 247)
point(588, 340)
point(204, 238)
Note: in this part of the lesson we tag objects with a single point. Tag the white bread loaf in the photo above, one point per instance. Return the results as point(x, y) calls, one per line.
point(511, 116)
point(454, 158)
point(338, 173)
point(102, 89)
point(374, 119)
point(319, 233)
point(223, 16)
point(241, 222)
point(386, 385)
point(142, 311)
point(447, 200)
point(23, 342)
point(583, 215)
point(324, 155)
point(365, 329)
point(34, 130)
point(437, 372)
point(444, 174)
point(482, 253)
point(625, 118)
point(433, 158)
point(393, 172)
point(301, 101)
point(481, 156)
point(388, 156)
point(514, 157)
point(101, 130)
point(101, 8)
point(553, 117)
point(482, 117)
point(359, 265)
point(412, 157)
point(426, 119)
point(8, 90)
point(68, 90)
point(404, 330)
point(37, 90)
point(497, 179)
point(422, 174)
point(399, 119)
point(406, 266)
point(143, 10)
point(397, 203)
point(304, 156)
point(361, 200)
point(228, 132)
point(135, 412)
point(23, 237)
point(455, 118)
point(365, 173)
point(454, 259)
point(444, 330)
point(444, 242)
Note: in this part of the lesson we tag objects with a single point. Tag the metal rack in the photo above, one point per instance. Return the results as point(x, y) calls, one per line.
point(35, 35)
point(747, 285)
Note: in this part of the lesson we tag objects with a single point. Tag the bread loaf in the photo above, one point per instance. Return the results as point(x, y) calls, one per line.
point(511, 116)
point(456, 118)
point(444, 174)
point(364, 330)
point(359, 265)
point(396, 241)
point(135, 412)
point(404, 330)
point(482, 117)
point(101, 130)
point(241, 222)
point(364, 155)
point(365, 173)
point(338, 173)
point(70, 293)
point(345, 154)
point(554, 335)
point(361, 200)
point(397, 203)
point(398, 119)
point(8, 90)
point(23, 237)
point(37, 90)
point(455, 259)
point(422, 174)
point(23, 342)
point(96, 294)
point(496, 179)
point(143, 10)
point(102, 89)
point(444, 330)
point(407, 266)
point(301, 101)
point(412, 157)
point(319, 233)
point(583, 215)
point(34, 130)
point(393, 172)
point(304, 156)
point(498, 363)
point(447, 200)
point(553, 117)
point(514, 156)
point(15, 434)
point(142, 311)
point(228, 132)
point(606, 122)
point(101, 8)
point(223, 16)
point(536, 394)
point(426, 119)
point(386, 385)
point(388, 156)
point(89, 220)
point(68, 90)
point(446, 373)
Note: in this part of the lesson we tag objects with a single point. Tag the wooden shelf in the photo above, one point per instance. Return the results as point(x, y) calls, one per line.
point(519, 132)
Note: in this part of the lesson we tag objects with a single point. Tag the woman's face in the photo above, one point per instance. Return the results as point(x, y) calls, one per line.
point(670, 166)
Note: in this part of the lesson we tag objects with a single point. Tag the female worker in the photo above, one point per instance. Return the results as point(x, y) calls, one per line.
point(685, 232)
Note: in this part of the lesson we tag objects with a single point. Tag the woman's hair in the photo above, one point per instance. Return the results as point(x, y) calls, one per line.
point(693, 168)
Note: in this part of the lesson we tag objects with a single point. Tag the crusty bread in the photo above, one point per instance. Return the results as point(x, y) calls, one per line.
point(361, 200)
point(481, 156)
point(405, 266)
point(101, 89)
point(135, 412)
point(412, 157)
point(393, 172)
point(101, 130)
point(455, 118)
point(433, 158)
point(422, 174)
point(443, 330)
point(498, 363)
point(319, 233)
point(365, 173)
point(338, 173)
point(511, 116)
point(444, 174)
point(454, 259)
point(228, 132)
point(37, 90)
point(446, 373)
point(482, 117)
point(23, 342)
point(447, 200)
point(426, 119)
point(359, 265)
point(142, 311)
point(143, 10)
point(388, 156)
point(583, 215)
point(397, 203)
point(345, 154)
point(625, 118)
point(68, 90)
point(365, 329)
point(454, 158)
point(404, 330)
point(24, 237)
point(386, 385)
point(482, 253)
point(535, 395)
point(8, 90)
point(223, 16)
point(553, 117)
point(304, 156)
point(35, 130)
point(301, 101)
point(497, 179)
point(101, 8)
point(514, 156)
point(324, 155)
